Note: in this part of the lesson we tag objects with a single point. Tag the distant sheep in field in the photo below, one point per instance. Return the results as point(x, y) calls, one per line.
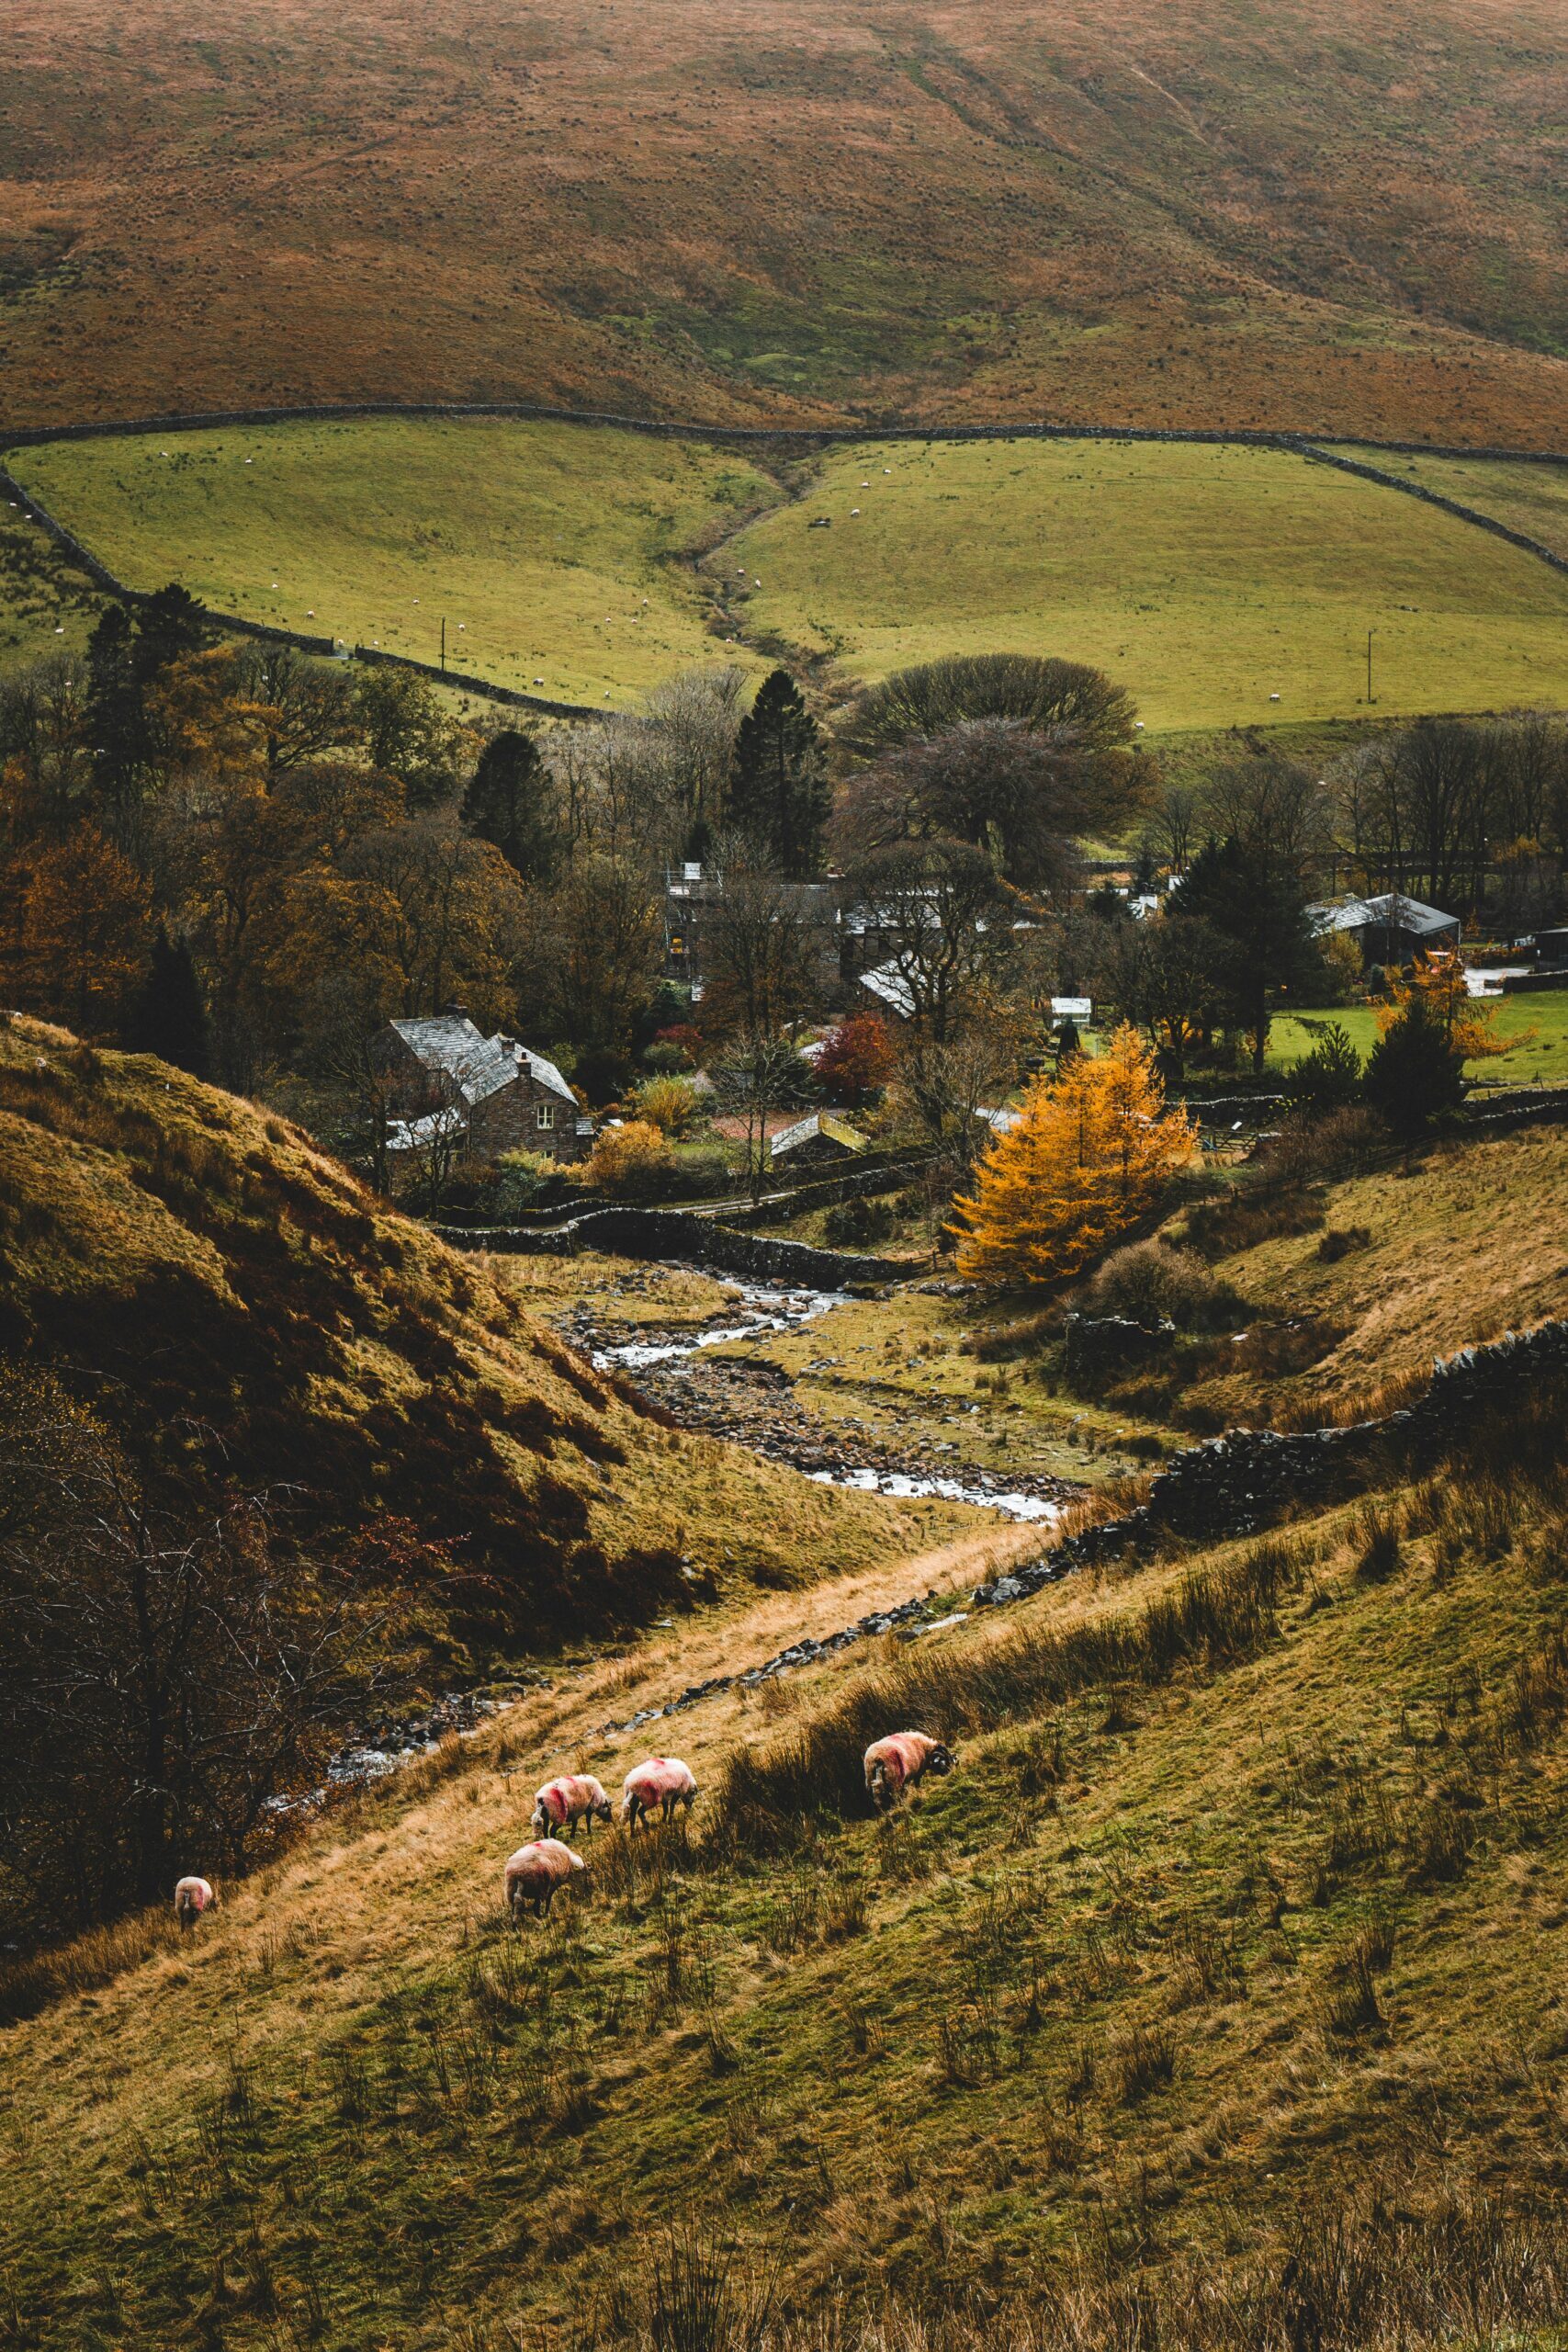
point(534, 1872)
point(192, 1897)
point(657, 1785)
point(896, 1763)
point(562, 1803)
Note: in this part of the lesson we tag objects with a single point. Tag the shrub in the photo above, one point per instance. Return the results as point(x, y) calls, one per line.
point(1341, 1240)
point(1416, 1072)
point(1314, 1147)
point(670, 1104)
point(854, 1225)
point(1151, 1282)
point(1329, 1078)
point(856, 1060)
point(631, 1161)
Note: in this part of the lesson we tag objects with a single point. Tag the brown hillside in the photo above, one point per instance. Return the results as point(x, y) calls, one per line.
point(1189, 213)
point(242, 1310)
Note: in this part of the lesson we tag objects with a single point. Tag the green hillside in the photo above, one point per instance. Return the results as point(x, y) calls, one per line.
point(591, 565)
point(1530, 498)
point(1209, 579)
point(548, 552)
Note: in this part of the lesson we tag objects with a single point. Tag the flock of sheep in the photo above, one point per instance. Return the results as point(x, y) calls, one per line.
point(657, 1787)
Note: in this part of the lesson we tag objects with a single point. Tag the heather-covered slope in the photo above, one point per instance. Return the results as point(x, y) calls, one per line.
point(242, 1312)
point(1319, 215)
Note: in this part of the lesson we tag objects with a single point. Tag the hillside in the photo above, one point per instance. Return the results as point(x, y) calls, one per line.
point(236, 1306)
point(1225, 585)
point(1215, 1999)
point(1199, 214)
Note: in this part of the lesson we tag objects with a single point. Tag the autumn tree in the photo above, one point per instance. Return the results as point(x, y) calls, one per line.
point(78, 932)
point(169, 1017)
point(1089, 1154)
point(1437, 985)
point(856, 1059)
point(760, 949)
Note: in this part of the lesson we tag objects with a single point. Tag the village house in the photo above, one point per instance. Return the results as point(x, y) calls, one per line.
point(819, 1140)
point(1390, 929)
point(451, 1087)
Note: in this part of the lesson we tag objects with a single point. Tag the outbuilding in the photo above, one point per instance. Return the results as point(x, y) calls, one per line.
point(1389, 929)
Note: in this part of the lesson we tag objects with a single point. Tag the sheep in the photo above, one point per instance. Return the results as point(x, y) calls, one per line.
point(896, 1763)
point(192, 1897)
point(561, 1804)
point(659, 1784)
point(534, 1872)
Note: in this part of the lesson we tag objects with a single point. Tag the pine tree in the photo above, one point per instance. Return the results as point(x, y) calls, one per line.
point(1415, 1071)
point(1250, 895)
point(169, 1018)
point(1089, 1155)
point(778, 791)
point(508, 803)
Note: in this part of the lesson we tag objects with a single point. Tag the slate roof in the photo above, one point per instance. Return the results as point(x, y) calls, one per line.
point(819, 1123)
point(1391, 910)
point(478, 1066)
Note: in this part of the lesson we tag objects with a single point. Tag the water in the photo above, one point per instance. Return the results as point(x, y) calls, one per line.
point(952, 1490)
point(765, 1308)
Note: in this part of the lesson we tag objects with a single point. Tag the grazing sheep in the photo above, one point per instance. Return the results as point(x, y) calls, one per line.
point(192, 1897)
point(656, 1785)
point(534, 1872)
point(896, 1763)
point(561, 1804)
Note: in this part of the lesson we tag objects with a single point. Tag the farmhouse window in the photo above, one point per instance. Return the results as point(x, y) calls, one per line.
point(547, 1114)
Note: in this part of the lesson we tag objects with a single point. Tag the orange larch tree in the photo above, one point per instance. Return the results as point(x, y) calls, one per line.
point(1089, 1155)
point(1437, 988)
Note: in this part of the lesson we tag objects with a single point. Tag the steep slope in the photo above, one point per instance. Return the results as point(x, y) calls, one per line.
point(242, 1311)
point(1206, 213)
point(1171, 2001)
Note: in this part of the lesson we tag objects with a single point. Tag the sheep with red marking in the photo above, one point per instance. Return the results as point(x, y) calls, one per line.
point(535, 1872)
point(192, 1897)
point(656, 1785)
point(896, 1763)
point(562, 1803)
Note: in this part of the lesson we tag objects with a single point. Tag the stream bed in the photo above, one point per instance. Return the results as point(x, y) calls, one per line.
point(754, 1403)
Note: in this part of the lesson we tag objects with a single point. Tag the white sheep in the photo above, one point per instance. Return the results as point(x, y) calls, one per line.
point(192, 1897)
point(534, 1872)
point(562, 1803)
point(656, 1785)
point(896, 1763)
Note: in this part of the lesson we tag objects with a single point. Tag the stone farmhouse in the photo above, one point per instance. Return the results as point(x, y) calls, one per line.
point(452, 1087)
point(1390, 929)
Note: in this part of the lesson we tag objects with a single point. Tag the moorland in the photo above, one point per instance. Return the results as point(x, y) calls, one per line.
point(1302, 217)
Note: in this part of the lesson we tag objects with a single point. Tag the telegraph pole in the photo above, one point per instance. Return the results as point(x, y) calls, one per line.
point(444, 644)
point(1371, 696)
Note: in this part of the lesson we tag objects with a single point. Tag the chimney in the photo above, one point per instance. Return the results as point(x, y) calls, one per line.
point(460, 1012)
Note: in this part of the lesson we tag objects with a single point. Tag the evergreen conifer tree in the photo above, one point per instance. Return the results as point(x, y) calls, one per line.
point(168, 1017)
point(508, 804)
point(778, 790)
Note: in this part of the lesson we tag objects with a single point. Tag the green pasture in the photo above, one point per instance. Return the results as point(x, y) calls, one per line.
point(46, 607)
point(1529, 498)
point(1536, 1025)
point(1208, 579)
point(592, 565)
point(548, 551)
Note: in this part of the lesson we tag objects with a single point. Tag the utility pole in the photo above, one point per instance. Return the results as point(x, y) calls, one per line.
point(443, 643)
point(1371, 696)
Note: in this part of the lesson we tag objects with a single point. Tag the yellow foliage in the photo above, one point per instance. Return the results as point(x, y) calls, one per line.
point(627, 1159)
point(1089, 1155)
point(1435, 989)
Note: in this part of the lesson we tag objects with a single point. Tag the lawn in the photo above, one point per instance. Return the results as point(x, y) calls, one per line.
point(1532, 498)
point(547, 551)
point(1210, 580)
point(1530, 1060)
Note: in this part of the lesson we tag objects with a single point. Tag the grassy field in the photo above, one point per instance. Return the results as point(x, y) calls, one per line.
point(1209, 579)
point(1538, 1024)
point(1531, 499)
point(45, 605)
point(548, 551)
point(1238, 1923)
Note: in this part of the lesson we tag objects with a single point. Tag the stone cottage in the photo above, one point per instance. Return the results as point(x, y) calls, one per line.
point(479, 1096)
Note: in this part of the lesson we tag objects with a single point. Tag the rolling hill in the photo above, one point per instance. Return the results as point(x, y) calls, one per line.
point(1199, 212)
